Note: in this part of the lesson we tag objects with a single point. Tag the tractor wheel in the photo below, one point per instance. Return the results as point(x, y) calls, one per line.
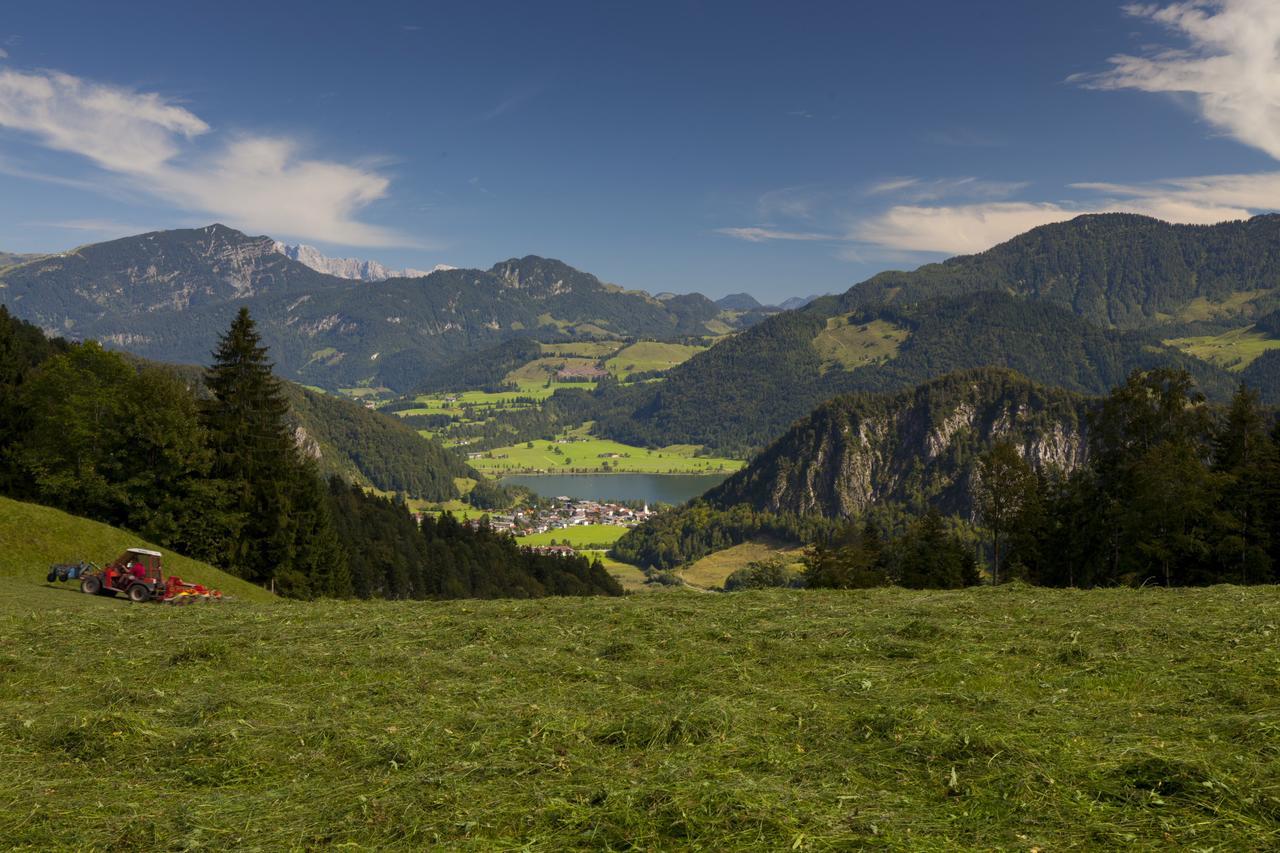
point(139, 593)
point(91, 585)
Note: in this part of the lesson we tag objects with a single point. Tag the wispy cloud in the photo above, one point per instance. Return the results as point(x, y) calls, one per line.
point(4, 54)
point(919, 190)
point(963, 137)
point(757, 234)
point(797, 202)
point(258, 183)
point(1229, 63)
point(106, 227)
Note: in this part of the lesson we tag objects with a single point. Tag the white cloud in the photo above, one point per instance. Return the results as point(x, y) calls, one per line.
point(253, 182)
point(119, 130)
point(960, 229)
point(761, 235)
point(4, 54)
point(1230, 63)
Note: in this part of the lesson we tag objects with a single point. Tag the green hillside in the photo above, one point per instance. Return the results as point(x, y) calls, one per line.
point(34, 537)
point(790, 360)
point(1010, 718)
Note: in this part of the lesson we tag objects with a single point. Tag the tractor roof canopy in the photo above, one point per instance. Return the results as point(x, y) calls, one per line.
point(144, 551)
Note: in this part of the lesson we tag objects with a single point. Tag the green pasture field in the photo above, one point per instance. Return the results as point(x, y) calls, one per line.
point(583, 536)
point(1011, 718)
point(644, 356)
point(588, 454)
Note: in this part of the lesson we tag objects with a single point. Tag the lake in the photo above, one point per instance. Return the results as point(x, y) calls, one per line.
point(651, 488)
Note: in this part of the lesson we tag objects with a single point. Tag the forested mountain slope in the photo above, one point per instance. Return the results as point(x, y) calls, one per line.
point(744, 392)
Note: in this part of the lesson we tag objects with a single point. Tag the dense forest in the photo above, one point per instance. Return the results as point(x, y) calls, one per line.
point(390, 556)
point(215, 471)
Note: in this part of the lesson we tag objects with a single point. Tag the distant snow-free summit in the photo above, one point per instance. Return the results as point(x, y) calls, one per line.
point(352, 268)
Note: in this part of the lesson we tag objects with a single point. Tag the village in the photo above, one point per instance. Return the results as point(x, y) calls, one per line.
point(564, 512)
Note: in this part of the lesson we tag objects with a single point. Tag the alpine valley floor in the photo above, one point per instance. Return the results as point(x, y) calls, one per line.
point(1012, 718)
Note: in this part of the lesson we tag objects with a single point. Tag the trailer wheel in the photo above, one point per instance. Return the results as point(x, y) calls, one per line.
point(91, 585)
point(139, 593)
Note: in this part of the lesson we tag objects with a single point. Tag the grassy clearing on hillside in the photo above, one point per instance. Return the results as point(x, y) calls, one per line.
point(537, 372)
point(1200, 308)
point(711, 571)
point(644, 356)
point(1009, 718)
point(587, 454)
point(594, 536)
point(1234, 350)
point(33, 537)
point(841, 345)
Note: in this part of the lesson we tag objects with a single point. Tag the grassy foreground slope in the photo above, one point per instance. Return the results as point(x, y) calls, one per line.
point(33, 537)
point(1007, 718)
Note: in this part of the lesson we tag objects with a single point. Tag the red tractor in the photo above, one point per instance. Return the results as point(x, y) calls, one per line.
point(137, 574)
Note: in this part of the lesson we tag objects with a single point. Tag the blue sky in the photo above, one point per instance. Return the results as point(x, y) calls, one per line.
point(777, 148)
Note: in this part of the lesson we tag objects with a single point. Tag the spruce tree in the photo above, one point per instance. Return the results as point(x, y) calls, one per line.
point(288, 534)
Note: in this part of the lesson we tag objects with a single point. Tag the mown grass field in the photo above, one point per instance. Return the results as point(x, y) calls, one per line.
point(1233, 350)
point(1011, 718)
point(582, 536)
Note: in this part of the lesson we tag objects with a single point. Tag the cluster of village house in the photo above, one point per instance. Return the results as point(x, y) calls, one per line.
point(562, 513)
point(565, 512)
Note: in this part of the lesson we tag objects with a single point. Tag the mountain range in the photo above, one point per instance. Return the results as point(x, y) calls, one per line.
point(1076, 305)
point(167, 295)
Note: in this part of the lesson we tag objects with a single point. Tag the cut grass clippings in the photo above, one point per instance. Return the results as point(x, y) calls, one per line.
point(1010, 718)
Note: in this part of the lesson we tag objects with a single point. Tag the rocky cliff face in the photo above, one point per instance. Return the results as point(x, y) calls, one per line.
point(350, 268)
point(917, 447)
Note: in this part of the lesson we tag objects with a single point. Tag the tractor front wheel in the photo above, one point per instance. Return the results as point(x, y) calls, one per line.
point(91, 585)
point(139, 593)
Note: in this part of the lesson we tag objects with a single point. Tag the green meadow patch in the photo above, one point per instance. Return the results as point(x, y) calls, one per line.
point(1010, 718)
point(1233, 350)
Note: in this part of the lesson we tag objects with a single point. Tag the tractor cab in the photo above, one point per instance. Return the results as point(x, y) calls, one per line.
point(136, 573)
